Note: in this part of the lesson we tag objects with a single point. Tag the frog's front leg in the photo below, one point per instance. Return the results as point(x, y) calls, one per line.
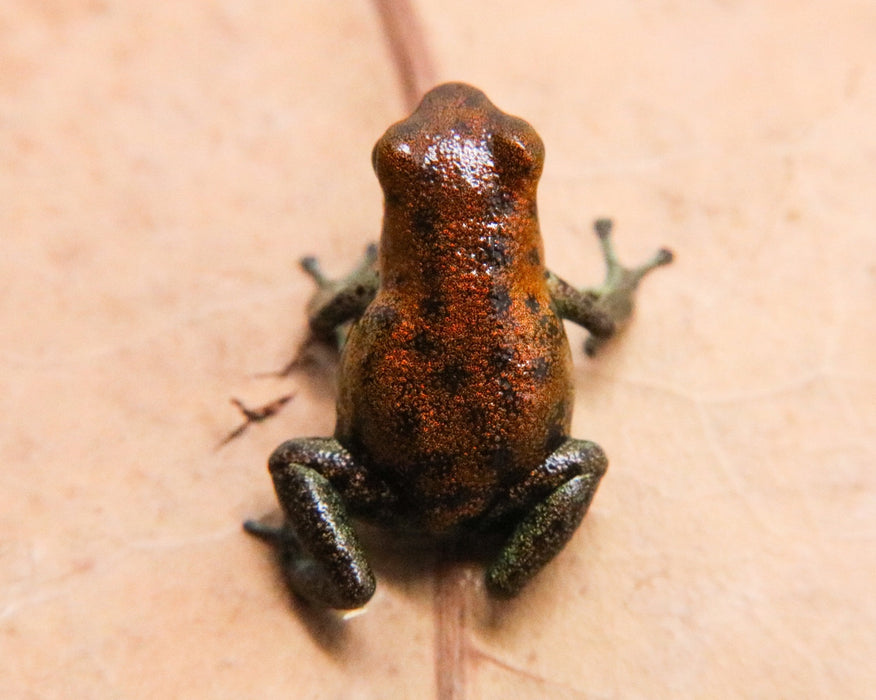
point(319, 485)
point(561, 491)
point(604, 309)
point(337, 302)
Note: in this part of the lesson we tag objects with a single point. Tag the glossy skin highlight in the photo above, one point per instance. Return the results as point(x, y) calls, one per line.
point(455, 394)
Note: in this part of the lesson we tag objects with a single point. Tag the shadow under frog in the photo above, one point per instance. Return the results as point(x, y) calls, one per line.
point(455, 393)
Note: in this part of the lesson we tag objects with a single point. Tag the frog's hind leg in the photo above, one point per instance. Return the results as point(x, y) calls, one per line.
point(561, 491)
point(316, 481)
point(604, 309)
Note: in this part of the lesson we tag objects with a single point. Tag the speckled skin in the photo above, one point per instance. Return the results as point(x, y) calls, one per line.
point(455, 393)
point(455, 382)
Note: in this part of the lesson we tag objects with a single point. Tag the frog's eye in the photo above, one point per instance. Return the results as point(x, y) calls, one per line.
point(389, 156)
point(519, 154)
point(393, 163)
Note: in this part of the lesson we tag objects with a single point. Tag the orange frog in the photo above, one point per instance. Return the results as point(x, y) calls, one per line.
point(455, 392)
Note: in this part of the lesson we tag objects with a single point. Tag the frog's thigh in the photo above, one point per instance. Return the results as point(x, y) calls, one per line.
point(320, 552)
point(546, 528)
point(361, 491)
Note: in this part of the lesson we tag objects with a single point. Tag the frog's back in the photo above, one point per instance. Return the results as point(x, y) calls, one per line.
point(455, 383)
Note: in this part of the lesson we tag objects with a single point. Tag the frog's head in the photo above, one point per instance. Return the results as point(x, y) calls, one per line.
point(457, 150)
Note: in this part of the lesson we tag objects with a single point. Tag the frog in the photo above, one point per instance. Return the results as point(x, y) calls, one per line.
point(455, 389)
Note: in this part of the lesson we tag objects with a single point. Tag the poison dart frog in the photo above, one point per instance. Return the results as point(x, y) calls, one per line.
point(455, 390)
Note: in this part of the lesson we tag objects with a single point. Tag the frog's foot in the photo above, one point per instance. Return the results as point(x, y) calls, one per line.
point(548, 526)
point(255, 415)
point(316, 480)
point(616, 296)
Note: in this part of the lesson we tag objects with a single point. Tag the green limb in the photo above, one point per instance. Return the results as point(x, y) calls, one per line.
point(337, 302)
point(605, 309)
point(321, 555)
point(541, 535)
point(550, 523)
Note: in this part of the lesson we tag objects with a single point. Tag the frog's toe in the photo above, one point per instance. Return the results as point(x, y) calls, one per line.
point(269, 533)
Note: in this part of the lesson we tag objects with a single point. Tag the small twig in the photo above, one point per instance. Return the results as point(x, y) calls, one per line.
point(254, 415)
point(407, 45)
